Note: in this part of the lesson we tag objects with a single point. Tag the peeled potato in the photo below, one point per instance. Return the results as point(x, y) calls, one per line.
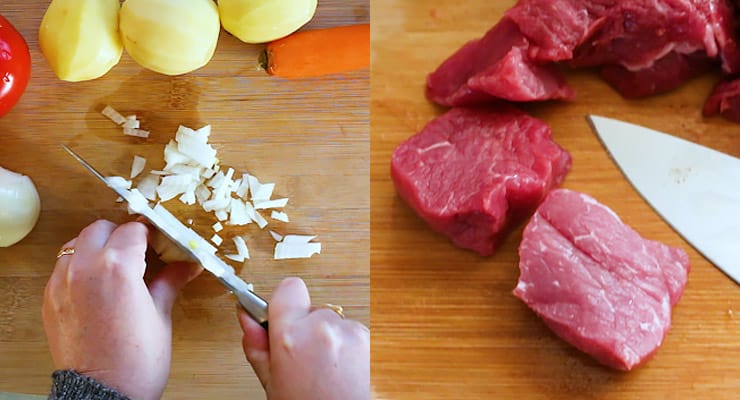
point(261, 21)
point(80, 38)
point(171, 37)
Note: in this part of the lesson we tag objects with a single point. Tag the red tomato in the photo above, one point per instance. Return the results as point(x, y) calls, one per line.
point(15, 66)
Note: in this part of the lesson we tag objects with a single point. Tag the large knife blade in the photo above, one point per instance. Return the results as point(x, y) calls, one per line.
point(183, 238)
point(696, 190)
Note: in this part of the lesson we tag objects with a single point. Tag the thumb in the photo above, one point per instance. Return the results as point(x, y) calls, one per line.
point(168, 283)
point(256, 347)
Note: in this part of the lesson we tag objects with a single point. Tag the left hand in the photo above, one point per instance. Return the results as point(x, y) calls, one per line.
point(100, 317)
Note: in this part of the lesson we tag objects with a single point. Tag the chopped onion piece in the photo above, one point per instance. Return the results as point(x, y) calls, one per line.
point(278, 237)
point(241, 247)
point(260, 220)
point(188, 197)
point(158, 172)
point(208, 173)
point(113, 115)
point(137, 166)
point(217, 227)
point(239, 214)
point(296, 250)
point(235, 257)
point(217, 180)
point(265, 204)
point(118, 182)
point(195, 146)
point(230, 175)
point(255, 216)
point(205, 132)
point(223, 188)
point(217, 240)
point(148, 186)
point(136, 132)
point(243, 188)
point(131, 123)
point(173, 185)
point(217, 204)
point(260, 191)
point(202, 194)
point(222, 215)
point(172, 156)
point(280, 216)
point(189, 221)
point(298, 239)
point(181, 169)
point(137, 204)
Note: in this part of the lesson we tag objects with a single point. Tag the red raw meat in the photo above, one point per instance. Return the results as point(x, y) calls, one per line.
point(495, 67)
point(645, 46)
point(666, 74)
point(596, 282)
point(725, 100)
point(720, 16)
point(472, 173)
point(636, 33)
point(553, 27)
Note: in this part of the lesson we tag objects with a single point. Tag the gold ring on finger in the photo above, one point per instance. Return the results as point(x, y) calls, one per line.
point(67, 251)
point(336, 308)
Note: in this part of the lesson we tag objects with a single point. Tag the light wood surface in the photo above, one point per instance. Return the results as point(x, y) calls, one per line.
point(445, 323)
point(309, 136)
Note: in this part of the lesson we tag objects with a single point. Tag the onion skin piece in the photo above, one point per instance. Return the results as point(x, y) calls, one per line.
point(20, 207)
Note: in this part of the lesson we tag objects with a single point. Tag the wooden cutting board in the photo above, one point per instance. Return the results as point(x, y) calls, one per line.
point(445, 323)
point(308, 136)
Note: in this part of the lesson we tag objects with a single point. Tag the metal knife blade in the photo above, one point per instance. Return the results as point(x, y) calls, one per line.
point(696, 190)
point(255, 306)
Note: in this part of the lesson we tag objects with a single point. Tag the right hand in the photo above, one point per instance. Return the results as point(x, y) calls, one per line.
point(311, 353)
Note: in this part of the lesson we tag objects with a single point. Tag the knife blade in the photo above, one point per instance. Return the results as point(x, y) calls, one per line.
point(695, 189)
point(166, 223)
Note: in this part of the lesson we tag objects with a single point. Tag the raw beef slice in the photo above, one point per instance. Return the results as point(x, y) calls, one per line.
point(645, 47)
point(473, 172)
point(595, 282)
point(495, 67)
point(725, 100)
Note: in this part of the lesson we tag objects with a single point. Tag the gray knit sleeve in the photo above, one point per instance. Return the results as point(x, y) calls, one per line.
point(69, 385)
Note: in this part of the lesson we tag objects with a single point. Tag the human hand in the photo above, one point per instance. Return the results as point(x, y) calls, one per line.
point(100, 317)
point(311, 353)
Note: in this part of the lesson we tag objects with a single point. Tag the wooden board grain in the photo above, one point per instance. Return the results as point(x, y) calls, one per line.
point(445, 323)
point(308, 136)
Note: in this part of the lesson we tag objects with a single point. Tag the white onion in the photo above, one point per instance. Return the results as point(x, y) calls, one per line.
point(20, 206)
point(137, 166)
point(279, 216)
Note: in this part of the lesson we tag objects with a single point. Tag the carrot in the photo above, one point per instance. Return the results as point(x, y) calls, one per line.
point(318, 52)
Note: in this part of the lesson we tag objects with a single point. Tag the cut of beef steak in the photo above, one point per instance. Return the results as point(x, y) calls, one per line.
point(495, 67)
point(474, 172)
point(595, 282)
point(633, 39)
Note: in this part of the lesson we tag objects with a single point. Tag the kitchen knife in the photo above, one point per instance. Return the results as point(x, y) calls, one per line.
point(695, 189)
point(190, 243)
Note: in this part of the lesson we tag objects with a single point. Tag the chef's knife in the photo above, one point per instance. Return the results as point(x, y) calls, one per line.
point(255, 306)
point(695, 189)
